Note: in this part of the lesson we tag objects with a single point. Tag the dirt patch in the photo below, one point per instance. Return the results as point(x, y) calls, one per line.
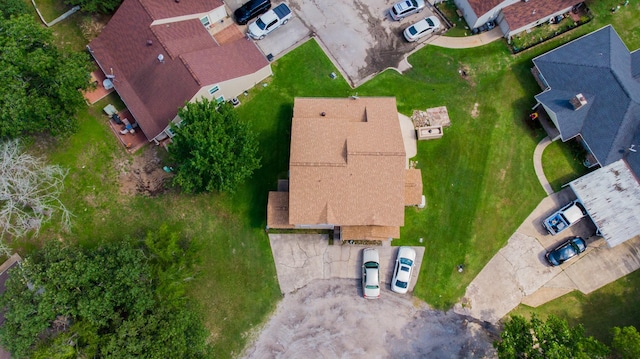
point(329, 319)
point(475, 112)
point(143, 174)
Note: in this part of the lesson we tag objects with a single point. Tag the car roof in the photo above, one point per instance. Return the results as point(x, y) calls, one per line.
point(573, 212)
point(424, 24)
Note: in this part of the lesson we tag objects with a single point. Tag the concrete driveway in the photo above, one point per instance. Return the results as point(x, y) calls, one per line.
point(358, 36)
point(303, 258)
point(518, 273)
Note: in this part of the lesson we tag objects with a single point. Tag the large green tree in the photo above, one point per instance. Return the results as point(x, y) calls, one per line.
point(212, 148)
point(12, 7)
point(39, 83)
point(96, 6)
point(626, 342)
point(553, 338)
point(118, 300)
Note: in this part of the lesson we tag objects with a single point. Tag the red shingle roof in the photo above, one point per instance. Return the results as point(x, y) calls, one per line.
point(153, 90)
point(481, 7)
point(163, 9)
point(524, 13)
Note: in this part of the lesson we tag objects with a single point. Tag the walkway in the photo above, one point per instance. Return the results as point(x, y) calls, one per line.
point(537, 164)
point(466, 41)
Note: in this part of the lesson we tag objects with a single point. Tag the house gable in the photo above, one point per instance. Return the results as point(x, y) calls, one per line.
point(158, 68)
point(598, 66)
point(165, 9)
point(347, 163)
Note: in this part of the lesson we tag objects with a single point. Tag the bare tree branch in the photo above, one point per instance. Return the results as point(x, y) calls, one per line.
point(29, 192)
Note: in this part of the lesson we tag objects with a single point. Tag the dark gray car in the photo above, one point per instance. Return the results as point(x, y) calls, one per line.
point(251, 9)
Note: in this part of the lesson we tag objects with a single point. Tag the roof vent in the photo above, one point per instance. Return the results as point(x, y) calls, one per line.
point(161, 58)
point(578, 101)
point(149, 42)
point(323, 113)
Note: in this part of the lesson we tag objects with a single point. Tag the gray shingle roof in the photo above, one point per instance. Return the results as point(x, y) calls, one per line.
point(599, 66)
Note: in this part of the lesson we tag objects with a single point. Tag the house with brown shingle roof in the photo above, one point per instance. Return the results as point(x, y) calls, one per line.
point(161, 54)
point(512, 16)
point(347, 170)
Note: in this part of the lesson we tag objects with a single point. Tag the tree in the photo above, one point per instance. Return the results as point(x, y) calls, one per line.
point(12, 7)
point(212, 148)
point(522, 338)
point(96, 6)
point(29, 191)
point(39, 83)
point(70, 302)
point(626, 342)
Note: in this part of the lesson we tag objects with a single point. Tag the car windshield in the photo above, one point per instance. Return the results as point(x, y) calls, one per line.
point(430, 22)
point(371, 265)
point(261, 24)
point(401, 284)
point(406, 261)
point(412, 30)
point(370, 286)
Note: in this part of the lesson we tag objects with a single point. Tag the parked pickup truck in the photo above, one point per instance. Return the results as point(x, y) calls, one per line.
point(564, 218)
point(269, 21)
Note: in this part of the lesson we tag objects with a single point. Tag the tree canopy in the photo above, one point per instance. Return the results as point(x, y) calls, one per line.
point(553, 338)
point(626, 342)
point(12, 7)
point(96, 6)
point(212, 148)
point(117, 300)
point(39, 83)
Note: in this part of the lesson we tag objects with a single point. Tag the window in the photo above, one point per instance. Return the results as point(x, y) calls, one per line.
point(214, 89)
point(220, 99)
point(205, 21)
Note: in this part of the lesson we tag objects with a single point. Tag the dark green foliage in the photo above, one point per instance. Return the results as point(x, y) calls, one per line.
point(39, 83)
point(96, 6)
point(626, 342)
point(554, 338)
point(213, 150)
point(112, 301)
point(10, 8)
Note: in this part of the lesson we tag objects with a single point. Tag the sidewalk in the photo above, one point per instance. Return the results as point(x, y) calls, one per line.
point(467, 41)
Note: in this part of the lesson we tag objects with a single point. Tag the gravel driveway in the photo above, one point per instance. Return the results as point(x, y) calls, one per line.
point(329, 319)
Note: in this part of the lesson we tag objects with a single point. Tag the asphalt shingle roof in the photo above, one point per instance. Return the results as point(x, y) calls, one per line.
point(153, 91)
point(348, 166)
point(599, 66)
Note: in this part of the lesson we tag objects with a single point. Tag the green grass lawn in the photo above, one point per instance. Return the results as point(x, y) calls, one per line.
point(563, 162)
point(615, 304)
point(478, 179)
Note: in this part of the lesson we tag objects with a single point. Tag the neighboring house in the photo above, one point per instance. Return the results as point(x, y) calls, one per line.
point(512, 16)
point(347, 170)
point(13, 261)
point(592, 94)
point(161, 54)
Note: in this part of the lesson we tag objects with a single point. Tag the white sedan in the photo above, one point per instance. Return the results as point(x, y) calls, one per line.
point(423, 27)
point(403, 269)
point(370, 273)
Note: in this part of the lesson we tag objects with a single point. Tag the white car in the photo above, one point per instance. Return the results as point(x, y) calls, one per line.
point(423, 27)
point(406, 8)
point(370, 273)
point(403, 269)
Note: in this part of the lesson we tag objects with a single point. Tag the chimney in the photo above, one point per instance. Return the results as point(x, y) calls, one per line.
point(578, 101)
